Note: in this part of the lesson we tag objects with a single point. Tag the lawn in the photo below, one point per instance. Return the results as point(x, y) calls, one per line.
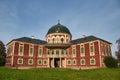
point(59, 74)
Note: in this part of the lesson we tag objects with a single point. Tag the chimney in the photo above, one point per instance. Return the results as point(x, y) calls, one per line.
point(32, 37)
point(83, 36)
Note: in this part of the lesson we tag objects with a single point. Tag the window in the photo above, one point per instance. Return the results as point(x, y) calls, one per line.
point(20, 61)
point(57, 40)
point(53, 40)
point(45, 62)
point(40, 52)
point(91, 49)
point(82, 61)
point(62, 40)
point(21, 49)
point(92, 61)
point(48, 51)
point(40, 62)
point(57, 52)
point(68, 62)
point(74, 62)
point(31, 50)
point(74, 51)
point(48, 40)
point(67, 51)
point(30, 61)
point(52, 52)
point(82, 51)
point(62, 52)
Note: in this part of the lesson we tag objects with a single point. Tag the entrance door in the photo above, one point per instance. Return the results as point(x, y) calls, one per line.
point(57, 62)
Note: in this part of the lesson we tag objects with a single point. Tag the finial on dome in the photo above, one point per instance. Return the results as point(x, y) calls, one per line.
point(58, 21)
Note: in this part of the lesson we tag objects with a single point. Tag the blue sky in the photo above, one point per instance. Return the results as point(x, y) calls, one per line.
point(19, 18)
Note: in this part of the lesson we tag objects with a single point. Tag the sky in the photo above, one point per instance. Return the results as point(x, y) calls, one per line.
point(26, 18)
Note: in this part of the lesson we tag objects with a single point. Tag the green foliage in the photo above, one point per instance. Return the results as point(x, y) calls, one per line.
point(59, 74)
point(2, 61)
point(2, 54)
point(110, 62)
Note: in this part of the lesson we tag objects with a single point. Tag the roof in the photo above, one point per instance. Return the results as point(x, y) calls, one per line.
point(58, 45)
point(87, 39)
point(58, 29)
point(29, 40)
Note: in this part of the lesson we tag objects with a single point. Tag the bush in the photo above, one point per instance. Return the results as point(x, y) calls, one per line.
point(2, 61)
point(110, 62)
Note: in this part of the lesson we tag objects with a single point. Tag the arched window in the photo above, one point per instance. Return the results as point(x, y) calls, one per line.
point(48, 40)
point(53, 40)
point(62, 40)
point(57, 40)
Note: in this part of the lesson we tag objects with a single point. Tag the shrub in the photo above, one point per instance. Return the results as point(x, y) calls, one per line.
point(2, 61)
point(110, 62)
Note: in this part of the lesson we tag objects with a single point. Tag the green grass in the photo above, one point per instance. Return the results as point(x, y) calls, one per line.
point(59, 74)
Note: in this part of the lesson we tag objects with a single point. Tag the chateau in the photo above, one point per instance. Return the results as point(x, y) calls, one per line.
point(58, 51)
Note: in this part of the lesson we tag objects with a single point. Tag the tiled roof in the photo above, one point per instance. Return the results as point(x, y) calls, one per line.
point(29, 40)
point(87, 39)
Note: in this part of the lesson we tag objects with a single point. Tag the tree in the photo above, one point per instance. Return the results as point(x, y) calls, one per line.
point(110, 62)
point(118, 52)
point(118, 42)
point(2, 54)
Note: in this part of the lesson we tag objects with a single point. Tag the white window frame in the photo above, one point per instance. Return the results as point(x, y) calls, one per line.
point(20, 59)
point(94, 61)
point(81, 61)
point(68, 61)
point(31, 46)
point(74, 47)
point(46, 62)
point(92, 53)
point(39, 60)
point(75, 62)
point(39, 52)
point(30, 63)
point(66, 51)
point(82, 54)
point(20, 54)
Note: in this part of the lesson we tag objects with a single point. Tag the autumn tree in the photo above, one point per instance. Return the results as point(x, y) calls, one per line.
point(2, 54)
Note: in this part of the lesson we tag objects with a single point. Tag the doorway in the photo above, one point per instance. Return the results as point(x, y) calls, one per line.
point(57, 62)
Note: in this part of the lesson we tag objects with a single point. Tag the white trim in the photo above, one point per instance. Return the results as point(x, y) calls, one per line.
point(20, 59)
point(31, 46)
point(82, 54)
point(73, 55)
point(67, 51)
point(46, 62)
point(39, 51)
point(13, 53)
point(100, 53)
point(92, 53)
point(39, 60)
point(91, 62)
point(81, 61)
point(75, 62)
point(68, 61)
point(21, 45)
point(30, 60)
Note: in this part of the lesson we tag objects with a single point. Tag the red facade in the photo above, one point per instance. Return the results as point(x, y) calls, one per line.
point(70, 61)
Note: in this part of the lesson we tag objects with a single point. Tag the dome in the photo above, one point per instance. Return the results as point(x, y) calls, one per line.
point(58, 29)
